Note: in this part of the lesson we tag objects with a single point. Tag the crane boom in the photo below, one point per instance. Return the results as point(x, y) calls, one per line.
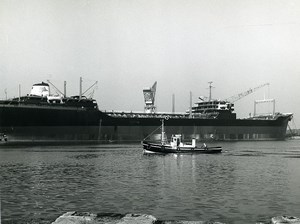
point(243, 94)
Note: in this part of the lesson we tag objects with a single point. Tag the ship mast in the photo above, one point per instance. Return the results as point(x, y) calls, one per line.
point(19, 92)
point(173, 103)
point(82, 92)
point(64, 94)
point(94, 85)
point(80, 88)
point(191, 104)
point(210, 87)
point(65, 88)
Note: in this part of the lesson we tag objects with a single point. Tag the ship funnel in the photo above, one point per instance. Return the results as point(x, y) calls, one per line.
point(40, 89)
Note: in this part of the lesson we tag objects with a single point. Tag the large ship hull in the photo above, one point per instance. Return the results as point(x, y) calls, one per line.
point(57, 124)
point(202, 129)
point(48, 124)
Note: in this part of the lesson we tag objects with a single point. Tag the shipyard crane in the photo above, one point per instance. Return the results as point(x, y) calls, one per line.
point(237, 97)
point(149, 97)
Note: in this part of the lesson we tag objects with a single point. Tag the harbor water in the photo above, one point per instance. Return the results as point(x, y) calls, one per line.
point(249, 182)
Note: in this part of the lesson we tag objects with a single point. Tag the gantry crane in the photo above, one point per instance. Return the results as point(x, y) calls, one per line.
point(149, 97)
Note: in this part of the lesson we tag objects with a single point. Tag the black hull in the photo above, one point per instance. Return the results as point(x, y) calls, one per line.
point(163, 149)
point(27, 123)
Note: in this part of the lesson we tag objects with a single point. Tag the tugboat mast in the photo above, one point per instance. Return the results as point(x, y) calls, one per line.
point(162, 132)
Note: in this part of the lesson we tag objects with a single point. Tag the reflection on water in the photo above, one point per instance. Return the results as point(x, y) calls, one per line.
point(249, 182)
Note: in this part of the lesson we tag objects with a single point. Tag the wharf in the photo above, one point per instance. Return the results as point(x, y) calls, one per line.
point(112, 218)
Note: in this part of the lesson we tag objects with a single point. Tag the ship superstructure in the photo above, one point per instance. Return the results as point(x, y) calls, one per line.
point(214, 109)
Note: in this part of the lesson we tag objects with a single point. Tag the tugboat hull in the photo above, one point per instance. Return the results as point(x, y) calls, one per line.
point(163, 149)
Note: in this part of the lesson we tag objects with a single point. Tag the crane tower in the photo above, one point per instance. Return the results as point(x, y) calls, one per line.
point(149, 97)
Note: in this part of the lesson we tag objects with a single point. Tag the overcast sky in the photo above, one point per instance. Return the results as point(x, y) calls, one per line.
point(127, 45)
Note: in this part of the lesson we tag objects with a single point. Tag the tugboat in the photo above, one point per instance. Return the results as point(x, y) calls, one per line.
point(177, 146)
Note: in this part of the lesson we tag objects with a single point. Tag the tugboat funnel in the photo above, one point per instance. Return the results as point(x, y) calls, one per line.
point(193, 142)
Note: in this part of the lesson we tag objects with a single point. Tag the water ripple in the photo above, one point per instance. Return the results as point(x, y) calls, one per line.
point(245, 184)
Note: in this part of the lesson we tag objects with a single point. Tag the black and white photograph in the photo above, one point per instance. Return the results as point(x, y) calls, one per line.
point(149, 112)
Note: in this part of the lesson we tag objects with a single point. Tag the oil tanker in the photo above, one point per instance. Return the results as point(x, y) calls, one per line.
point(40, 117)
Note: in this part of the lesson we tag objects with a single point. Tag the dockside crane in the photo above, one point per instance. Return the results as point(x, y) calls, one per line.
point(239, 96)
point(149, 97)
